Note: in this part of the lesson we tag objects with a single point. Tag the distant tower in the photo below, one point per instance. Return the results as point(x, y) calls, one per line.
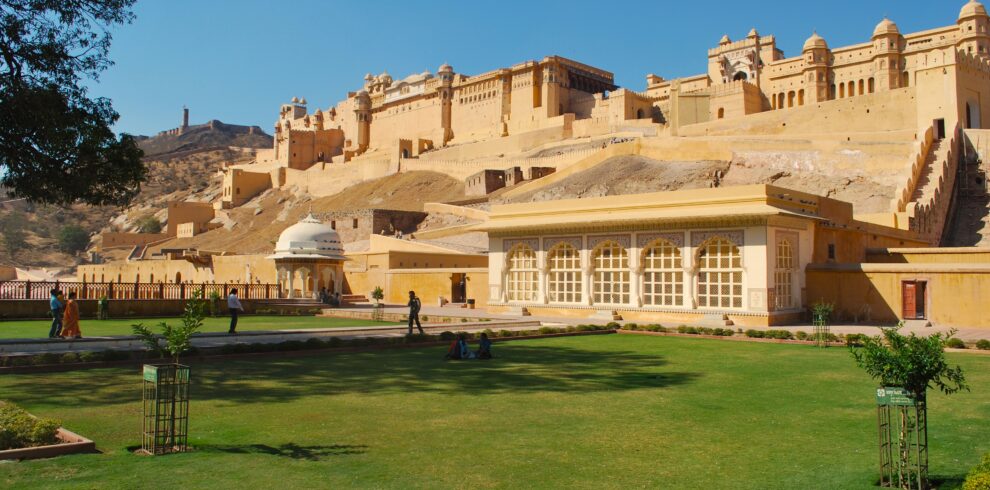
point(185, 120)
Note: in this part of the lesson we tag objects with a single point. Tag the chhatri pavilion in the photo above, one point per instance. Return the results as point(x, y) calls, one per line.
point(309, 256)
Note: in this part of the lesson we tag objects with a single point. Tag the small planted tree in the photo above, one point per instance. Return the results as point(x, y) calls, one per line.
point(821, 314)
point(166, 386)
point(378, 294)
point(906, 366)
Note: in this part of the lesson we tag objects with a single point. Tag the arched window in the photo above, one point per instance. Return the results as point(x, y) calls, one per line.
point(564, 276)
point(905, 79)
point(801, 97)
point(721, 112)
point(178, 277)
point(784, 276)
point(780, 100)
point(719, 275)
point(851, 89)
point(871, 84)
point(861, 90)
point(790, 99)
point(522, 274)
point(639, 113)
point(663, 277)
point(842, 90)
point(610, 284)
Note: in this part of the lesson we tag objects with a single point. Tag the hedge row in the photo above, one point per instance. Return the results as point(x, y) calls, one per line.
point(653, 327)
point(18, 429)
point(68, 358)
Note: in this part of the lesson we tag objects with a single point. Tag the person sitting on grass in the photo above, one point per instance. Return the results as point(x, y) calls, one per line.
point(484, 347)
point(454, 351)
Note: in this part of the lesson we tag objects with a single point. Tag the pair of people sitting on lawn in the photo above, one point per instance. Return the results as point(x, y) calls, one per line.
point(459, 348)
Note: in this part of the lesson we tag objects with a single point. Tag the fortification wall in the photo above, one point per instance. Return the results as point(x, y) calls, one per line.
point(895, 110)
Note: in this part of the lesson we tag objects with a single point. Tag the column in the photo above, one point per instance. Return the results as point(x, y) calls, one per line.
point(542, 271)
point(586, 271)
point(635, 282)
point(292, 281)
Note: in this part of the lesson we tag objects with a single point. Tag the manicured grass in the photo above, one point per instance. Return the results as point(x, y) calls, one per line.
point(17, 329)
point(612, 411)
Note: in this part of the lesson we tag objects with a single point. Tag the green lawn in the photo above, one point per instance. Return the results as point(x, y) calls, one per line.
point(17, 329)
point(612, 411)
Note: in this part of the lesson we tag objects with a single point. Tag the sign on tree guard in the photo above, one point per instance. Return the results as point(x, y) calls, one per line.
point(895, 396)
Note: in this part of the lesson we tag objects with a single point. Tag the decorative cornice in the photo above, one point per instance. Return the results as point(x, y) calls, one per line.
point(550, 242)
point(622, 240)
point(734, 236)
point(532, 243)
point(644, 239)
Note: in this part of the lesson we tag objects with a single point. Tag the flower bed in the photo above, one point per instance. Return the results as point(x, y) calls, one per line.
point(24, 436)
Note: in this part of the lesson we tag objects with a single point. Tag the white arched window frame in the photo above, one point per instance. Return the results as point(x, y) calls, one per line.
point(610, 276)
point(564, 274)
point(663, 274)
point(785, 266)
point(720, 274)
point(522, 275)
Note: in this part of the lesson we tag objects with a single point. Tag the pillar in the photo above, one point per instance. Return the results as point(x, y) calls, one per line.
point(635, 281)
point(292, 281)
point(542, 275)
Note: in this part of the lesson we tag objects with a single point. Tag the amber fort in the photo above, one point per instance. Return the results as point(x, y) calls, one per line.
point(837, 173)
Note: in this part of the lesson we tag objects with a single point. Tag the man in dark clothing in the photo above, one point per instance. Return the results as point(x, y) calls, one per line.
point(414, 305)
point(57, 308)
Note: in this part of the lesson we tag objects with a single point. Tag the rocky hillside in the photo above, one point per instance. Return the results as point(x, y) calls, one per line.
point(180, 167)
point(214, 135)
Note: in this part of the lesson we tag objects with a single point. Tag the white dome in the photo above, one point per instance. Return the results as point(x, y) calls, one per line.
point(309, 239)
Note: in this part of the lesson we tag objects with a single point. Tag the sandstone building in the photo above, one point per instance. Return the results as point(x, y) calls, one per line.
point(899, 113)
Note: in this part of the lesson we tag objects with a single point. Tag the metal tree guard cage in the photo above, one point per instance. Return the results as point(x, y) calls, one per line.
point(902, 424)
point(822, 330)
point(166, 408)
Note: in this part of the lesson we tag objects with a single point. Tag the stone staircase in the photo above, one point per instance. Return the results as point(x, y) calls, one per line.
point(928, 180)
point(971, 217)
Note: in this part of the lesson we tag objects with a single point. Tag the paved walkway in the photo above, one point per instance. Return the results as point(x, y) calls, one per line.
point(132, 342)
point(471, 324)
point(967, 334)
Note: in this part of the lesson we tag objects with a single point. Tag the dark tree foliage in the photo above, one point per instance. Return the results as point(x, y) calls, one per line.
point(149, 224)
point(56, 144)
point(72, 239)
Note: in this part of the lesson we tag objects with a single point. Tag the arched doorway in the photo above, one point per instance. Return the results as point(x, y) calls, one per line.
point(740, 75)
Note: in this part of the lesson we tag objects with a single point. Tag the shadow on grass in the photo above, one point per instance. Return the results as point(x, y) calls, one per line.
point(289, 450)
point(517, 368)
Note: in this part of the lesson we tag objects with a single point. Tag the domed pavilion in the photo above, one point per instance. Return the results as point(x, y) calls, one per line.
point(309, 256)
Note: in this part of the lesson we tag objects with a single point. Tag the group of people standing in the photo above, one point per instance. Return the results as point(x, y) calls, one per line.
point(65, 316)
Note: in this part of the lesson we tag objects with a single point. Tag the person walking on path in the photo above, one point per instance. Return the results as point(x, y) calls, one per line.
point(234, 305)
point(56, 307)
point(414, 306)
point(70, 320)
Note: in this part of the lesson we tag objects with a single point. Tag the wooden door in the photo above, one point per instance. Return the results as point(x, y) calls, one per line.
point(909, 303)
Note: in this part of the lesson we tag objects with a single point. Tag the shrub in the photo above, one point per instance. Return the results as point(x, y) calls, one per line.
point(756, 334)
point(48, 358)
point(424, 318)
point(315, 343)
point(414, 338)
point(979, 477)
point(778, 334)
point(855, 339)
point(656, 328)
point(630, 326)
point(801, 335)
point(19, 429)
point(505, 333)
point(114, 355)
point(89, 356)
point(335, 342)
point(955, 343)
point(613, 325)
point(983, 344)
point(449, 336)
point(69, 358)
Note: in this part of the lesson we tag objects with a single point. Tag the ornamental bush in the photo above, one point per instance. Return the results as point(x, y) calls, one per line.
point(983, 344)
point(18, 429)
point(955, 343)
point(979, 477)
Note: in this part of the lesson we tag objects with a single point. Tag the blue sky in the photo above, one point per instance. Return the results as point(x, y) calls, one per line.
point(236, 61)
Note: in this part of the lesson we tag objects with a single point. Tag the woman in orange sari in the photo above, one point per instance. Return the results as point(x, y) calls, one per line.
point(70, 320)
